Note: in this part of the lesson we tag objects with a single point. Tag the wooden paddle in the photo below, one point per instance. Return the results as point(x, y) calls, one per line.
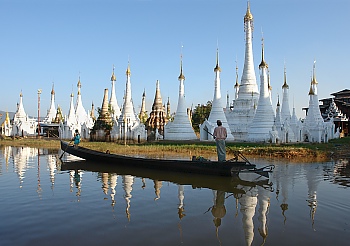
point(65, 149)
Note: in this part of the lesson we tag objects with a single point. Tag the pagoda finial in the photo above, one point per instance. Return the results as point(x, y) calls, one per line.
point(278, 100)
point(248, 16)
point(263, 63)
point(311, 91)
point(217, 67)
point(53, 91)
point(314, 81)
point(113, 76)
point(79, 84)
point(236, 85)
point(181, 76)
point(128, 73)
point(285, 85)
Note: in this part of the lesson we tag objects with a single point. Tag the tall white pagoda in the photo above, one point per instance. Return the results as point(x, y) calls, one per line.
point(113, 100)
point(22, 125)
point(181, 127)
point(287, 133)
point(245, 105)
point(128, 126)
point(51, 113)
point(314, 127)
point(80, 112)
point(69, 125)
point(259, 130)
point(217, 110)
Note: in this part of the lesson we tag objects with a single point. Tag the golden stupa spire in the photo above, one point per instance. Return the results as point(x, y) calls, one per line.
point(7, 120)
point(311, 91)
point(314, 81)
point(128, 73)
point(113, 76)
point(79, 85)
point(285, 85)
point(181, 76)
point(248, 16)
point(72, 95)
point(278, 100)
point(53, 91)
point(263, 63)
point(217, 67)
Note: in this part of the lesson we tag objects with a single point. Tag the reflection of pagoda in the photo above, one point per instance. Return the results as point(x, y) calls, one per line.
point(312, 183)
point(284, 191)
point(128, 181)
point(264, 204)
point(105, 185)
point(181, 208)
point(157, 186)
point(218, 210)
point(21, 157)
point(75, 180)
point(51, 162)
point(113, 184)
point(181, 197)
point(109, 181)
point(248, 202)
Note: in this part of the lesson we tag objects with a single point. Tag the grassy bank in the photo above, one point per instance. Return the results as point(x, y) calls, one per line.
point(338, 148)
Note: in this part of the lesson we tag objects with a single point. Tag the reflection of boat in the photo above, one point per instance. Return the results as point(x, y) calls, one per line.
point(200, 166)
point(229, 184)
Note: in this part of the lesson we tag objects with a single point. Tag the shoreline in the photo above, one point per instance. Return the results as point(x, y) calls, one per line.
point(309, 152)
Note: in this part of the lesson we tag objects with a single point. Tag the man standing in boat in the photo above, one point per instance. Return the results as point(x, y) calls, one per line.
point(220, 134)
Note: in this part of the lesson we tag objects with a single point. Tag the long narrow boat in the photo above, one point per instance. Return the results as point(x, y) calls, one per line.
point(199, 166)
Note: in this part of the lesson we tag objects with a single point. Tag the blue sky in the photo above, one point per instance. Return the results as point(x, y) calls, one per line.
point(45, 42)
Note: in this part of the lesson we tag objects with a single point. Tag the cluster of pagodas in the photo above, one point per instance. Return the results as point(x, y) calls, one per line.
point(249, 117)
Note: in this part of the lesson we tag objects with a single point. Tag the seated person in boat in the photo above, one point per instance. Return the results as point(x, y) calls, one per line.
point(76, 138)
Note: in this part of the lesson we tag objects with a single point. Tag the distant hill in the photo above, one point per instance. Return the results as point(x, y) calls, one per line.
point(3, 116)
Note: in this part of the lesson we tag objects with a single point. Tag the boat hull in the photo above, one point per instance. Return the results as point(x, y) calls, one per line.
point(228, 168)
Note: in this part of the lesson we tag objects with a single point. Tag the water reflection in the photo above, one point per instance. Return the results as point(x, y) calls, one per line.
point(250, 202)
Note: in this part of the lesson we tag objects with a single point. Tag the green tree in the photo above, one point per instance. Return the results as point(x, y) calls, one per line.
point(200, 113)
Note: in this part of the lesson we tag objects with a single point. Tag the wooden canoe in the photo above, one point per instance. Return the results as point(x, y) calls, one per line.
point(201, 166)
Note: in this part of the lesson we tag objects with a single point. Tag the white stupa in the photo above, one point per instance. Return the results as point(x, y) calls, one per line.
point(128, 126)
point(69, 125)
point(113, 100)
point(51, 113)
point(296, 126)
point(80, 112)
point(244, 106)
point(22, 125)
point(128, 112)
point(259, 130)
point(287, 133)
point(285, 111)
point(313, 125)
point(217, 110)
point(181, 127)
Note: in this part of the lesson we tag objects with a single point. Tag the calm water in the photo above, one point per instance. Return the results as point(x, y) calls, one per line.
point(45, 202)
